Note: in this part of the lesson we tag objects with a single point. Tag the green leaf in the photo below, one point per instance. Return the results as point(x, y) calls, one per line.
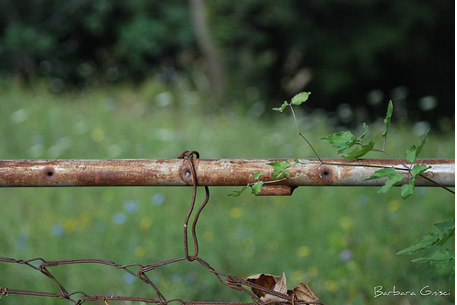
point(419, 149)
point(445, 225)
point(411, 154)
point(300, 98)
point(280, 175)
point(383, 172)
point(388, 119)
point(439, 258)
point(392, 176)
point(280, 165)
point(424, 242)
point(365, 129)
point(407, 190)
point(445, 237)
point(359, 151)
point(393, 180)
point(237, 193)
point(419, 169)
point(447, 229)
point(257, 175)
point(256, 187)
point(342, 141)
point(283, 106)
point(279, 168)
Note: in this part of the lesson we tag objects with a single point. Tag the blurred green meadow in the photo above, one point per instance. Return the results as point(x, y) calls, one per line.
point(341, 240)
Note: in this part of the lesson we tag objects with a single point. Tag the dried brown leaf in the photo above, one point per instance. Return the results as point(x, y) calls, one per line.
point(273, 282)
point(304, 293)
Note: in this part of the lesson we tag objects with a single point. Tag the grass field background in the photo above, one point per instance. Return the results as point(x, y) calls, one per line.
point(340, 240)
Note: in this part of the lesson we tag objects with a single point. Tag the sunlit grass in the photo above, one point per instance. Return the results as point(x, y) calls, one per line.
point(340, 240)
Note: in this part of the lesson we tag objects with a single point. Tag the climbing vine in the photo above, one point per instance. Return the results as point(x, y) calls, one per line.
point(351, 147)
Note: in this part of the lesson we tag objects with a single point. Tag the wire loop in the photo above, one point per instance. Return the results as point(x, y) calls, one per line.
point(230, 281)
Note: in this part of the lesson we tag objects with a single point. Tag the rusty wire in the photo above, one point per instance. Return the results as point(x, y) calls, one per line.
point(79, 297)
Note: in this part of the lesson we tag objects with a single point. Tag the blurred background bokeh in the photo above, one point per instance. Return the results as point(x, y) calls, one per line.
point(83, 79)
point(353, 55)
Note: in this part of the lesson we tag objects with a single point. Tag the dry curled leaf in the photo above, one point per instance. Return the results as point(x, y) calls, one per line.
point(273, 282)
point(304, 293)
point(278, 283)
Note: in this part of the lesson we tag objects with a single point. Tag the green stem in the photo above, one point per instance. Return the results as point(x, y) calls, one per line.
point(300, 134)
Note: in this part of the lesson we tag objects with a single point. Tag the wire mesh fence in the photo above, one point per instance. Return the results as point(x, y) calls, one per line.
point(264, 289)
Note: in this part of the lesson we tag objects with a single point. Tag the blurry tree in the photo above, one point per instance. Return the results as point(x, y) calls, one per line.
point(216, 70)
point(358, 52)
point(81, 41)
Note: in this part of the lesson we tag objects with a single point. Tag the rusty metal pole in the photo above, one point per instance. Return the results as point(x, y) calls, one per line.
point(211, 172)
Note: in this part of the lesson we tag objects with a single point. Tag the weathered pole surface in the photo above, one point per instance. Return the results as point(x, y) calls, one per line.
point(211, 172)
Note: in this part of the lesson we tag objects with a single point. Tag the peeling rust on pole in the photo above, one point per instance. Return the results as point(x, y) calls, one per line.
point(211, 172)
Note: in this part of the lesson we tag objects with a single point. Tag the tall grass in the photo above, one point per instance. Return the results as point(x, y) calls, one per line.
point(342, 241)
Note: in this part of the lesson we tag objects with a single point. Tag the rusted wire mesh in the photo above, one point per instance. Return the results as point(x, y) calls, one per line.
point(79, 297)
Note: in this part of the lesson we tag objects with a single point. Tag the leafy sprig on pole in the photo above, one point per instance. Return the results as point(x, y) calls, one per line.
point(351, 147)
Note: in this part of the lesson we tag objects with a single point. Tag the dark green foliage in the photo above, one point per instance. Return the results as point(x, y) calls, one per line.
point(350, 47)
point(83, 41)
point(340, 50)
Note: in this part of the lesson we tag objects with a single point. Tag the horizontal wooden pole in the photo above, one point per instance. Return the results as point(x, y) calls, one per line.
point(210, 172)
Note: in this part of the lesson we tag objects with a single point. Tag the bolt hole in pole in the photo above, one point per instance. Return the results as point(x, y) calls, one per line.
point(325, 173)
point(48, 173)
